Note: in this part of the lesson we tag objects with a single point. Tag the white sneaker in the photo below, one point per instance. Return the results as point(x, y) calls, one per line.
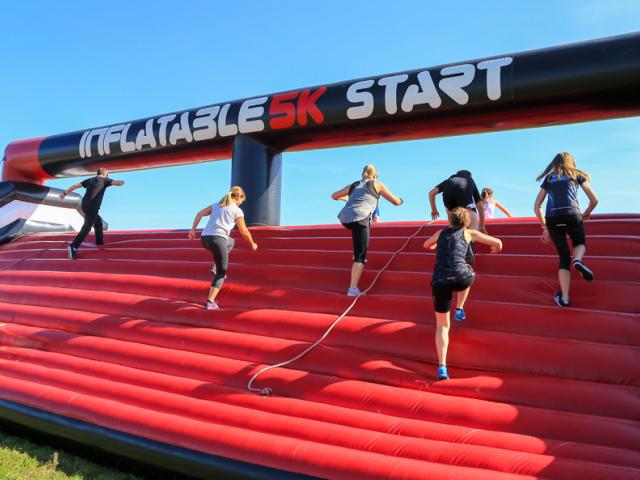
point(353, 292)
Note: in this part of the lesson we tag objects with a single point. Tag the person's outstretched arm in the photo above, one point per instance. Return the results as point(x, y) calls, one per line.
point(246, 234)
point(494, 243)
point(431, 242)
point(117, 183)
point(69, 190)
point(593, 200)
point(342, 194)
point(202, 213)
point(384, 191)
point(432, 201)
point(537, 209)
point(504, 210)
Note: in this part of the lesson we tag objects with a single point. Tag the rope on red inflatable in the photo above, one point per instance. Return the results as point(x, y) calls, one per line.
point(266, 391)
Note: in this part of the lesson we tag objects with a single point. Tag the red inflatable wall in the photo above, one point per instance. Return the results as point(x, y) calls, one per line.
point(118, 338)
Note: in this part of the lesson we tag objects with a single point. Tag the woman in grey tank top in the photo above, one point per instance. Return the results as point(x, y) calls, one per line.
point(362, 199)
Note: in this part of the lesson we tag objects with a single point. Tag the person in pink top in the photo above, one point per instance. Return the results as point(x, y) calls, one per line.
point(489, 204)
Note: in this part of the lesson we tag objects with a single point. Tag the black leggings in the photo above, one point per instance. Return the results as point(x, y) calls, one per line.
point(90, 220)
point(442, 293)
point(360, 237)
point(561, 226)
point(220, 247)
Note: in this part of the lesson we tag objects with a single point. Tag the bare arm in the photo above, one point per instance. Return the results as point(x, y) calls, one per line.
point(246, 234)
point(69, 190)
point(537, 206)
point(593, 200)
point(432, 201)
point(342, 194)
point(384, 191)
point(202, 213)
point(504, 210)
point(481, 218)
point(493, 242)
point(431, 242)
point(537, 209)
point(117, 183)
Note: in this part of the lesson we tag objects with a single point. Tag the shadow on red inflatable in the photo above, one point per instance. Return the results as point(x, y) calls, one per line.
point(117, 346)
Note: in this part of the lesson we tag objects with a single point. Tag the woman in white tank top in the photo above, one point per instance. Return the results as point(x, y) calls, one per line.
point(216, 237)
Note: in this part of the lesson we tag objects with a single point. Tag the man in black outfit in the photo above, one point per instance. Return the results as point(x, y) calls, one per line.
point(91, 202)
point(459, 190)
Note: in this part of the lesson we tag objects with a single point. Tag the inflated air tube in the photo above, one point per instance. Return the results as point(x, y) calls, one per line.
point(116, 347)
point(29, 208)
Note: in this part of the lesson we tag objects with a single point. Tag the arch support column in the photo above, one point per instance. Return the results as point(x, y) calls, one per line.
point(257, 168)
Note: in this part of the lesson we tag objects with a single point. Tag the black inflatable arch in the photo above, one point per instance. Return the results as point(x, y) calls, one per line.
point(592, 80)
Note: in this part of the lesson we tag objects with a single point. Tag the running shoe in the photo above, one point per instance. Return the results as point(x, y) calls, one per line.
point(72, 252)
point(211, 305)
point(557, 297)
point(214, 269)
point(585, 271)
point(459, 315)
point(353, 292)
point(443, 373)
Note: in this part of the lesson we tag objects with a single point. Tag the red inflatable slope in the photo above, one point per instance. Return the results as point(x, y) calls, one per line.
point(119, 339)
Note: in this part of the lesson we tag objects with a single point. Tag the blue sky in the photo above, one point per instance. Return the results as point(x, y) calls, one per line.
point(71, 65)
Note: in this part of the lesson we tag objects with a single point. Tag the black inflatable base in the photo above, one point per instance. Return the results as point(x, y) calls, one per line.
point(153, 460)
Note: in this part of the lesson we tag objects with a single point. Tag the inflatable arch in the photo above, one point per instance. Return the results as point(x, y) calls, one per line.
point(114, 351)
point(592, 80)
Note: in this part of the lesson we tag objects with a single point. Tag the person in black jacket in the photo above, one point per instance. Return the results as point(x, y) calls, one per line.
point(91, 201)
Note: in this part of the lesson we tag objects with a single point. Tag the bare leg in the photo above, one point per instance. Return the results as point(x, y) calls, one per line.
point(442, 336)
point(461, 297)
point(213, 293)
point(579, 251)
point(564, 277)
point(356, 272)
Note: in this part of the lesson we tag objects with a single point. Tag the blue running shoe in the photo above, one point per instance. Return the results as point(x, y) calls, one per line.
point(459, 315)
point(560, 301)
point(443, 374)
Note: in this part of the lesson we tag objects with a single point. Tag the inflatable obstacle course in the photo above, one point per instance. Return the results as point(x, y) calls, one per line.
point(117, 345)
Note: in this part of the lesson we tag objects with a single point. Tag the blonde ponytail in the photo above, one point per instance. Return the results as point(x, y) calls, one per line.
point(369, 171)
point(563, 164)
point(235, 192)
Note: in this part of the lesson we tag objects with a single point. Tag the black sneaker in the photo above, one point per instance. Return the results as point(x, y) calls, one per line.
point(557, 297)
point(586, 273)
point(72, 252)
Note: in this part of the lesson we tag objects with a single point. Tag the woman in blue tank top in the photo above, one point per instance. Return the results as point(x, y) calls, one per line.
point(452, 274)
point(362, 199)
point(560, 183)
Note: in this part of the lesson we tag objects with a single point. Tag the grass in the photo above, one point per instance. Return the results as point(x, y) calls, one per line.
point(22, 459)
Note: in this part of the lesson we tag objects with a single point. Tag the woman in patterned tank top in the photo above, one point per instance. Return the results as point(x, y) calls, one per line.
point(452, 274)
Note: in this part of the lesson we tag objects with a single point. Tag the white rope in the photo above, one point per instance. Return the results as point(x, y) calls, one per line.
point(267, 390)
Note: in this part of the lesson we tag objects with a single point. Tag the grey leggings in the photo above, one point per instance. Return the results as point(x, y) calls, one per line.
point(220, 247)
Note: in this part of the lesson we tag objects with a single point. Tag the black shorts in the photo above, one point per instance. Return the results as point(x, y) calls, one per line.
point(442, 293)
point(360, 237)
point(559, 227)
